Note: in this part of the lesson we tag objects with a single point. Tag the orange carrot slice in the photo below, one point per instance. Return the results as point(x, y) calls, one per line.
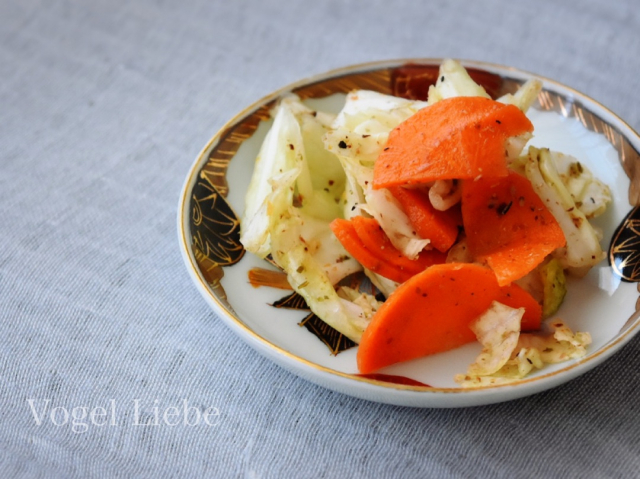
point(346, 234)
point(364, 239)
point(375, 240)
point(516, 297)
point(508, 226)
point(456, 138)
point(441, 227)
point(430, 313)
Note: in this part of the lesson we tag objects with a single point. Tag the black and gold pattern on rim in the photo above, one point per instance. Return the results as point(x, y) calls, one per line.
point(624, 253)
point(215, 233)
point(292, 301)
point(376, 80)
point(212, 272)
point(215, 226)
point(335, 341)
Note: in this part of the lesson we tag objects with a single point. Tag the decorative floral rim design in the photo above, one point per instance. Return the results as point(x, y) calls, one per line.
point(210, 242)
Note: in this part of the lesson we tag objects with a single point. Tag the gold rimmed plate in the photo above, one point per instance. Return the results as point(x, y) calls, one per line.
point(603, 303)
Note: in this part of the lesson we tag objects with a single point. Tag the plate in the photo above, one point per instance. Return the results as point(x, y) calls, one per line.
point(603, 303)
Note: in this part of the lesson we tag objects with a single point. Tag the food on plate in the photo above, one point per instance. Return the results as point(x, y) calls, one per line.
point(415, 227)
point(439, 225)
point(509, 205)
point(431, 313)
point(454, 139)
point(509, 355)
point(365, 241)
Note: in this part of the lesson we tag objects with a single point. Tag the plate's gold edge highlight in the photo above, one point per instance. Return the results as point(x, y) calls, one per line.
point(490, 67)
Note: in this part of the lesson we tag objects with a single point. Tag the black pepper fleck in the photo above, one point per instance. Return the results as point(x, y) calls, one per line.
point(503, 208)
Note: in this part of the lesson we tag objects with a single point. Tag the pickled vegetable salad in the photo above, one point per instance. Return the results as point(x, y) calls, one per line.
point(413, 193)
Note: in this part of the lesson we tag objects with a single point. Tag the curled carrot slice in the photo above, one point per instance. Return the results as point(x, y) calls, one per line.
point(364, 239)
point(456, 138)
point(508, 226)
point(441, 227)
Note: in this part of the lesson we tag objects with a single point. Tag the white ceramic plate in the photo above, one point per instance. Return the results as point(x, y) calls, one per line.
point(565, 120)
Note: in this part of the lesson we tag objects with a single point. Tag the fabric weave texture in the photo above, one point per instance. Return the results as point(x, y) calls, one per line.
point(104, 105)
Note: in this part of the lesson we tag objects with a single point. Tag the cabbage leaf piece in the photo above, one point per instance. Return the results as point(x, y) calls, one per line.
point(371, 113)
point(583, 248)
point(497, 329)
point(320, 242)
point(524, 97)
point(308, 279)
point(292, 164)
point(590, 195)
point(322, 180)
point(359, 134)
point(366, 301)
point(554, 286)
point(385, 285)
point(299, 258)
point(275, 161)
point(453, 81)
point(294, 141)
point(532, 352)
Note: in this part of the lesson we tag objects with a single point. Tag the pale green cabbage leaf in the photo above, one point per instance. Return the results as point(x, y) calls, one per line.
point(583, 248)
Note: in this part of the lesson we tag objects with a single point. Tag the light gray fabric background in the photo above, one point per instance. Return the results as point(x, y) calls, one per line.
point(104, 105)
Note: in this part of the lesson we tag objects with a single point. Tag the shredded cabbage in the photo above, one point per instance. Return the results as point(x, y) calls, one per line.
point(360, 132)
point(554, 286)
point(308, 279)
point(371, 113)
point(453, 81)
point(532, 351)
point(525, 96)
point(583, 246)
point(443, 194)
point(367, 302)
point(275, 161)
point(590, 195)
point(385, 285)
point(497, 330)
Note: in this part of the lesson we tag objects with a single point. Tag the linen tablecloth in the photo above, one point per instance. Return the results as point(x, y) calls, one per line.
point(103, 107)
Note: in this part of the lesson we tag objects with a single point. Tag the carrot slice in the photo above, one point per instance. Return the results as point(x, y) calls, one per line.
point(456, 138)
point(376, 241)
point(508, 226)
point(346, 234)
point(428, 314)
point(441, 227)
point(516, 297)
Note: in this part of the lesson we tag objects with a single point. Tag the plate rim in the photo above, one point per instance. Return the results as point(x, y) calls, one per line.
point(323, 375)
